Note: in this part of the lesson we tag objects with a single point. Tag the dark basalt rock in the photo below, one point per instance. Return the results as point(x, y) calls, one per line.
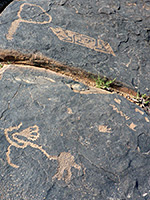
point(107, 37)
point(56, 143)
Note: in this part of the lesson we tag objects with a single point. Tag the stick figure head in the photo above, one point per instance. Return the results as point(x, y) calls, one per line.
point(30, 133)
point(32, 13)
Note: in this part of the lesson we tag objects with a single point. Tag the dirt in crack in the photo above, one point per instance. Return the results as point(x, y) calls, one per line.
point(89, 79)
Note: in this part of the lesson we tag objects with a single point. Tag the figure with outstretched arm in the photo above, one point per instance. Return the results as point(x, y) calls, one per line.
point(23, 138)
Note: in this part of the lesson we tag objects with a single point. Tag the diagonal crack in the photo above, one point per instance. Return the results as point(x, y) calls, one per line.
point(48, 191)
point(114, 177)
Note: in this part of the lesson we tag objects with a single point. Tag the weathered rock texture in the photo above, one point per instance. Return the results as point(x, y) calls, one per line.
point(59, 142)
point(108, 37)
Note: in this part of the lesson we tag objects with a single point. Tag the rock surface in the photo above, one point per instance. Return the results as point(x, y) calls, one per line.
point(56, 143)
point(108, 37)
point(60, 139)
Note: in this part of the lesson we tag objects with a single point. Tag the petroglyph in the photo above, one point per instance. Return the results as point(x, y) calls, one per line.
point(104, 129)
point(83, 40)
point(140, 111)
point(69, 110)
point(120, 112)
point(146, 119)
point(63, 35)
point(65, 161)
point(132, 126)
point(117, 101)
point(23, 138)
point(16, 23)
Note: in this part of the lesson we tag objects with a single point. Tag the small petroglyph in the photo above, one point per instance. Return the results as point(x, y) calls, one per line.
point(104, 129)
point(65, 162)
point(131, 4)
point(117, 101)
point(132, 126)
point(146, 119)
point(120, 112)
point(69, 111)
point(137, 110)
point(28, 136)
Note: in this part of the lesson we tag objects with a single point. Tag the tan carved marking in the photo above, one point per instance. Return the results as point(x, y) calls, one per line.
point(146, 7)
point(132, 126)
point(69, 111)
point(26, 137)
point(137, 110)
point(83, 40)
point(131, 4)
point(104, 47)
point(49, 79)
point(61, 134)
point(15, 24)
point(104, 129)
point(8, 158)
point(117, 101)
point(66, 162)
point(146, 119)
point(120, 112)
point(64, 35)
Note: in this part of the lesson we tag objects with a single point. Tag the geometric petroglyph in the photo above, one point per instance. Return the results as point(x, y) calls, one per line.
point(26, 137)
point(132, 126)
point(83, 40)
point(142, 113)
point(120, 112)
point(63, 35)
point(104, 129)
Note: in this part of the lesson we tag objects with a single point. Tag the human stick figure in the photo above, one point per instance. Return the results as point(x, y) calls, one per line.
point(26, 137)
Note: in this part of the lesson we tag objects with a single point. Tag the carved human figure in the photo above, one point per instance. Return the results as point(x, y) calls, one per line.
point(23, 138)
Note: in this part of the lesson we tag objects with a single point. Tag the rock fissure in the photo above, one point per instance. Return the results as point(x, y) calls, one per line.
point(74, 80)
point(76, 74)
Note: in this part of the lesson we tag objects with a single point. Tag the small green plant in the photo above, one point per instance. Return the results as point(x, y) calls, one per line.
point(104, 83)
point(142, 99)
